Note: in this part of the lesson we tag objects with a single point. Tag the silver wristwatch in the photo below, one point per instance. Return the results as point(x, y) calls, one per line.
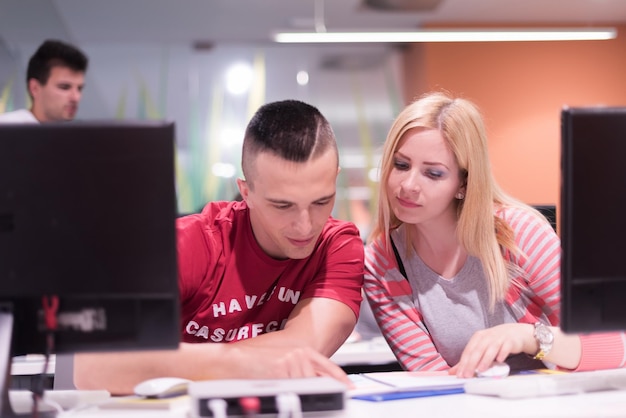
point(544, 338)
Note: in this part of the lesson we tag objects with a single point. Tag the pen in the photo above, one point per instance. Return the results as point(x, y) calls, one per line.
point(392, 396)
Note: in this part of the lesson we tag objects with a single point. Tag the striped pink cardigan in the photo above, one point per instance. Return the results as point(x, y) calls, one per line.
point(537, 297)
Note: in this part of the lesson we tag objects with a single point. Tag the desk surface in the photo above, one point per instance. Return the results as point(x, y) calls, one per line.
point(374, 351)
point(31, 365)
point(600, 404)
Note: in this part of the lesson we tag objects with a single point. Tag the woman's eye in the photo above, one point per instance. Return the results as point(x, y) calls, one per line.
point(433, 174)
point(400, 165)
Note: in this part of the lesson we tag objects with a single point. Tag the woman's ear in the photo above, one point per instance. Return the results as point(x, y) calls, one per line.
point(460, 195)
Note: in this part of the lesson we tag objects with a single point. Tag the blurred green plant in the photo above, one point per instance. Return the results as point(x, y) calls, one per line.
point(195, 181)
point(6, 99)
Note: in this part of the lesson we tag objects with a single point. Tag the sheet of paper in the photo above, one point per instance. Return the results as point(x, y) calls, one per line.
point(382, 382)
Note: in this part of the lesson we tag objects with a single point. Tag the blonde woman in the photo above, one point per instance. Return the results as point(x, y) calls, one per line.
point(458, 273)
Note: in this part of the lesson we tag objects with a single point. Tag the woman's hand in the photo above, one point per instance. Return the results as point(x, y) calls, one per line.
point(494, 344)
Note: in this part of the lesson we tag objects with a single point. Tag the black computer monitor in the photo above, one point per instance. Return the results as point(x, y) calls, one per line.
point(593, 219)
point(87, 229)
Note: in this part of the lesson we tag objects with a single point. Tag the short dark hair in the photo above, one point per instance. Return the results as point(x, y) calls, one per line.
point(290, 129)
point(54, 53)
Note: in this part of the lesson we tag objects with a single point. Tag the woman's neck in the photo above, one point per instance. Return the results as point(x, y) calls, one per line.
point(438, 247)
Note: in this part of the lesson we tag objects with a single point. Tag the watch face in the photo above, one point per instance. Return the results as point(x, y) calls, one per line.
point(544, 334)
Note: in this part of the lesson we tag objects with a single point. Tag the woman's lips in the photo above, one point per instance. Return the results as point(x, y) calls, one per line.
point(407, 204)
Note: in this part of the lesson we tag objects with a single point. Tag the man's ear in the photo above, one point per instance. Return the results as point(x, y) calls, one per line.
point(244, 190)
point(34, 87)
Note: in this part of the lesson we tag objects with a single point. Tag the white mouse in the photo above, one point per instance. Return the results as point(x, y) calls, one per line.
point(496, 370)
point(162, 387)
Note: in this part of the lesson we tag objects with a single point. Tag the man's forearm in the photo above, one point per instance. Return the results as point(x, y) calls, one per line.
point(314, 331)
point(119, 372)
point(274, 356)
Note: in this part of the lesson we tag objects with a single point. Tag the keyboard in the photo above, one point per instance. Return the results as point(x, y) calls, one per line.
point(541, 384)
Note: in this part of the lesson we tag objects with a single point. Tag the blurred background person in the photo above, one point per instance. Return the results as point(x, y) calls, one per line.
point(55, 79)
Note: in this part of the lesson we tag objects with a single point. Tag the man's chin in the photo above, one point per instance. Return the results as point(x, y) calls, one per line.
point(300, 253)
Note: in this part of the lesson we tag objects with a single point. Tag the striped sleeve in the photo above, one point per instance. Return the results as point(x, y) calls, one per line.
point(602, 351)
point(540, 264)
point(389, 295)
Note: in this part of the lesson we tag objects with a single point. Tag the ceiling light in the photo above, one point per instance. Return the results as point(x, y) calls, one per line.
point(302, 78)
point(224, 170)
point(450, 35)
point(239, 78)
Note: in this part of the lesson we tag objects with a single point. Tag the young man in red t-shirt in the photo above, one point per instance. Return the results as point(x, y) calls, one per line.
point(270, 286)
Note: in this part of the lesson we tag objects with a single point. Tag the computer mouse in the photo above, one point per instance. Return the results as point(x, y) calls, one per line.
point(162, 387)
point(496, 369)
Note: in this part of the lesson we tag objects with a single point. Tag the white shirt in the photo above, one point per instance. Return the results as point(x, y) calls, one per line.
point(18, 116)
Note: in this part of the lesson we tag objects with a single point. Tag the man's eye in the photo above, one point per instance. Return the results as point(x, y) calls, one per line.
point(322, 203)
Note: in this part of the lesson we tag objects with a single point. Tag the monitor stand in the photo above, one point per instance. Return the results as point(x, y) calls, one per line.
point(6, 337)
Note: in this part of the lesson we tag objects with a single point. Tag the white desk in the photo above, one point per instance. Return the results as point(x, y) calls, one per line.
point(31, 365)
point(374, 351)
point(25, 369)
point(600, 404)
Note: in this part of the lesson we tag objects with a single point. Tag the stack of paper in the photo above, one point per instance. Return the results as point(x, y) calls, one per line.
point(383, 386)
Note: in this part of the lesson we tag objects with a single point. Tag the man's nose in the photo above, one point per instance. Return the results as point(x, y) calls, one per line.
point(76, 95)
point(304, 224)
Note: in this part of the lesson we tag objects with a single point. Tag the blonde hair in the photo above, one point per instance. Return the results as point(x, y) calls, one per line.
point(461, 125)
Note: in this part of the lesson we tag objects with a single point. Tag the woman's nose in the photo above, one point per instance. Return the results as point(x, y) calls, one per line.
point(411, 183)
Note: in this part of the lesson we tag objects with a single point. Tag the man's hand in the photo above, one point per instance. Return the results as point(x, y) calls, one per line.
point(273, 362)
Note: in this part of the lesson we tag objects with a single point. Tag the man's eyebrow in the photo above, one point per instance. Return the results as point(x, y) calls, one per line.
point(279, 201)
point(287, 202)
point(328, 197)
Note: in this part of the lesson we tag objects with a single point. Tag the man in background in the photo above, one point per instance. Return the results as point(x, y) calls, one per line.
point(55, 79)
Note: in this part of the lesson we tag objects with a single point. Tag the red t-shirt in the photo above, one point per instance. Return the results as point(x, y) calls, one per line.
point(230, 289)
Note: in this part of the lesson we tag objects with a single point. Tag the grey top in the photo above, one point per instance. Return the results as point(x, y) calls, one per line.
point(454, 309)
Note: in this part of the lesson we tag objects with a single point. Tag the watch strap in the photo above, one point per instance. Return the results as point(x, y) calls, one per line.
point(544, 338)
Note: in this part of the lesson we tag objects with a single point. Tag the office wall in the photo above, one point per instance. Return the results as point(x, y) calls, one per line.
point(354, 86)
point(521, 88)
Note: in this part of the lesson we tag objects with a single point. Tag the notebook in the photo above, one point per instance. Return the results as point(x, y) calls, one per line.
point(382, 386)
